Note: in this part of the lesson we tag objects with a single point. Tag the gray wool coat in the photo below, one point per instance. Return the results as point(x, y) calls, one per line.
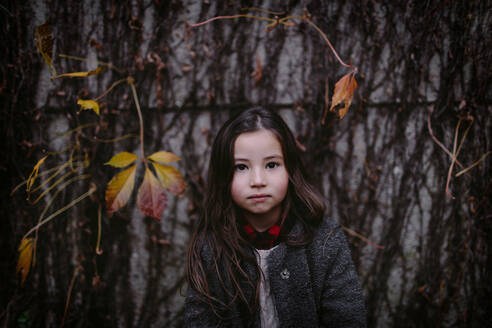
point(313, 286)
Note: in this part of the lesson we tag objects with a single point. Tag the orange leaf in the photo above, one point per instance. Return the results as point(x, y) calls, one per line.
point(164, 157)
point(89, 104)
point(122, 159)
point(25, 258)
point(344, 91)
point(120, 189)
point(44, 42)
point(151, 199)
point(170, 178)
point(34, 173)
point(81, 74)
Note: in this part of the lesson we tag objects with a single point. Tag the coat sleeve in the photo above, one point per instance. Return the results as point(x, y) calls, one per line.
point(197, 312)
point(342, 301)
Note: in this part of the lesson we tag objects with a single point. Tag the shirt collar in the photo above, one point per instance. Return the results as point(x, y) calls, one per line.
point(262, 240)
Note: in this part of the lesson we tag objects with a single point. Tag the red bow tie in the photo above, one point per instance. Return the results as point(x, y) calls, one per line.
point(262, 240)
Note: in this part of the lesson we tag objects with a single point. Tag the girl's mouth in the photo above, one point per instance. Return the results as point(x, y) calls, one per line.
point(258, 197)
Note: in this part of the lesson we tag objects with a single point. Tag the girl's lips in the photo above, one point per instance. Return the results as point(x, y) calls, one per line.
point(258, 197)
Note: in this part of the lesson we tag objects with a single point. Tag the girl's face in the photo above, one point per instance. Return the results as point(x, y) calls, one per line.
point(260, 180)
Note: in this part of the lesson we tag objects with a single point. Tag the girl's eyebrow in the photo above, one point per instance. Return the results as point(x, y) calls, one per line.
point(273, 156)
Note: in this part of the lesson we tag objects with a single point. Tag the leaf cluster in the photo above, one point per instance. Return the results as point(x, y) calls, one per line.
point(152, 197)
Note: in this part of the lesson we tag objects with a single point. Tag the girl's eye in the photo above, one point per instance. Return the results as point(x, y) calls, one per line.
point(272, 165)
point(240, 167)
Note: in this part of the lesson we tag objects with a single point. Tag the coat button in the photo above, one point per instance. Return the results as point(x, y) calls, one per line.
point(285, 274)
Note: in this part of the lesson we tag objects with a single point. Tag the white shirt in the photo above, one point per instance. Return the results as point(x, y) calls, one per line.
point(268, 312)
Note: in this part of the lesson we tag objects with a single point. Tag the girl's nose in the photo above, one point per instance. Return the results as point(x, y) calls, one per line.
point(257, 178)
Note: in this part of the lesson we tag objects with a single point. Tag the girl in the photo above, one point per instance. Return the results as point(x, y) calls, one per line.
point(262, 254)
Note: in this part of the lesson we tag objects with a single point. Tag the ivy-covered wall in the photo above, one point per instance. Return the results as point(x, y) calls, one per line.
point(421, 115)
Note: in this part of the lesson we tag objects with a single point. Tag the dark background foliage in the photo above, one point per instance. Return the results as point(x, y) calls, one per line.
point(422, 64)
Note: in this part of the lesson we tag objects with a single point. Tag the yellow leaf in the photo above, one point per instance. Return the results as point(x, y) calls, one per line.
point(120, 189)
point(34, 173)
point(44, 41)
point(25, 258)
point(164, 157)
point(170, 178)
point(81, 74)
point(122, 159)
point(89, 104)
point(151, 199)
point(344, 91)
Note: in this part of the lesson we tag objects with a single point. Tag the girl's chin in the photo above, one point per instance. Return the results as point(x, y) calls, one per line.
point(260, 212)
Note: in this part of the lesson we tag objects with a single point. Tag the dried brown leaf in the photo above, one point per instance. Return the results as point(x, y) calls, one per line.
point(44, 41)
point(344, 91)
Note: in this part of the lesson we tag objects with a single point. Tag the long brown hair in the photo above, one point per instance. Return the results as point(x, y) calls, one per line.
point(218, 228)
